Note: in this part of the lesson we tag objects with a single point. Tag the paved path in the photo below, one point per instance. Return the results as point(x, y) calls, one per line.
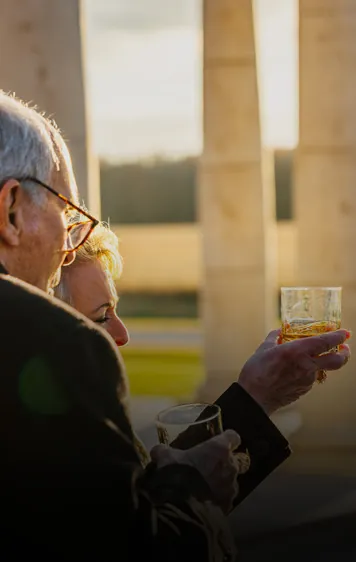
point(172, 339)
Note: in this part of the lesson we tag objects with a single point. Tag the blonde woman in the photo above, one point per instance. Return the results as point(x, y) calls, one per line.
point(89, 284)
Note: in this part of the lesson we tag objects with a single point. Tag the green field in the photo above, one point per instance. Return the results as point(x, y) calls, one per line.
point(155, 371)
point(163, 372)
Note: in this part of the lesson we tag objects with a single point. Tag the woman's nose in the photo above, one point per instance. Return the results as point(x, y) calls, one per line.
point(119, 332)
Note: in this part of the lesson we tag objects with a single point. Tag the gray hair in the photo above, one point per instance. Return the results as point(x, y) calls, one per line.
point(27, 144)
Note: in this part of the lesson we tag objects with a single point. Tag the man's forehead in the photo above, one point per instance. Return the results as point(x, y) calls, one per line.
point(67, 188)
point(65, 183)
point(70, 191)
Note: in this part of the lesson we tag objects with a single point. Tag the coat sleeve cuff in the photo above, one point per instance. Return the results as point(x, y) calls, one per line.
point(267, 447)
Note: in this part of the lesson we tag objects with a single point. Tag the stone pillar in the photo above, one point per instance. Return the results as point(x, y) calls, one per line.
point(325, 196)
point(235, 198)
point(42, 61)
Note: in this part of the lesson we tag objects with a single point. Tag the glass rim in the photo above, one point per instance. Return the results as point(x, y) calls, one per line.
point(311, 288)
point(182, 406)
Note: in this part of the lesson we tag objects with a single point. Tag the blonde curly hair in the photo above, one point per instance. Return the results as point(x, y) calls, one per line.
point(102, 245)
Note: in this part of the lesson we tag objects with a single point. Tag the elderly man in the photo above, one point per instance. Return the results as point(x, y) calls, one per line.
point(72, 484)
point(68, 462)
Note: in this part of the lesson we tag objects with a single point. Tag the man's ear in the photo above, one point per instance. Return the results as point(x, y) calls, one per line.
point(10, 212)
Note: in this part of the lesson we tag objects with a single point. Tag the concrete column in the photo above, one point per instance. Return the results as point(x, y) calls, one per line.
point(325, 196)
point(235, 198)
point(42, 61)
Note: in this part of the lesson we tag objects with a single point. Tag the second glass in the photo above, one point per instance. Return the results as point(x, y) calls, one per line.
point(188, 425)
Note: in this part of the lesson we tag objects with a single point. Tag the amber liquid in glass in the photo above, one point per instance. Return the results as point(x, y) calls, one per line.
point(298, 329)
point(303, 329)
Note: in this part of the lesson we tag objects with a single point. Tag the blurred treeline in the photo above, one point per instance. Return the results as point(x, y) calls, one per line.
point(163, 191)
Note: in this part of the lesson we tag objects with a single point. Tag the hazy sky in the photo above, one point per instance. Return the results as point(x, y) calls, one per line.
point(144, 75)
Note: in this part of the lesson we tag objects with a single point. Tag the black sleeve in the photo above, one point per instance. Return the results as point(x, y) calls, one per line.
point(266, 445)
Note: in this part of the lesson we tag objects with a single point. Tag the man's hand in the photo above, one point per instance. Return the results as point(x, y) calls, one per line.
point(214, 460)
point(277, 375)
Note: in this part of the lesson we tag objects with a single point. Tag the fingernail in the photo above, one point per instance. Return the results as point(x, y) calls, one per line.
point(348, 334)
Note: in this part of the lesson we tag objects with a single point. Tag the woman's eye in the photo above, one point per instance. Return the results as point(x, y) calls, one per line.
point(101, 320)
point(107, 316)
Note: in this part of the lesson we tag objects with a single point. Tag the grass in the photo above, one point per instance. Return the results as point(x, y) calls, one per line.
point(156, 371)
point(163, 372)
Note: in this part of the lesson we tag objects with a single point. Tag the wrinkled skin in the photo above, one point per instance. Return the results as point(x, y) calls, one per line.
point(277, 375)
point(214, 460)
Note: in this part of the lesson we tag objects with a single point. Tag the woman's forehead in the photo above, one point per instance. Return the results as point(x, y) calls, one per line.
point(89, 281)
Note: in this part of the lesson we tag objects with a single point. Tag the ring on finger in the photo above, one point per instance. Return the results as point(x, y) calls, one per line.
point(241, 461)
point(321, 376)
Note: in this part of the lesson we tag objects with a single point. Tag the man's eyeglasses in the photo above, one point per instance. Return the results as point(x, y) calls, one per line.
point(78, 231)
